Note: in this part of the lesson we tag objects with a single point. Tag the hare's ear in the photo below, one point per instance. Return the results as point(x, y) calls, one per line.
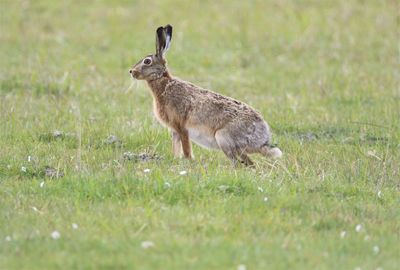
point(163, 40)
point(160, 41)
point(168, 34)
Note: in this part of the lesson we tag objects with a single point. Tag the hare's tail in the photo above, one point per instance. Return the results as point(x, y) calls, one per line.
point(271, 151)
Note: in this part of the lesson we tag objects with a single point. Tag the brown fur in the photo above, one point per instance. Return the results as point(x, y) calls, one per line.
point(193, 113)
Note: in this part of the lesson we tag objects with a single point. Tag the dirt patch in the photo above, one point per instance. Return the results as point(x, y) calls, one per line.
point(140, 157)
point(52, 172)
point(113, 140)
point(56, 135)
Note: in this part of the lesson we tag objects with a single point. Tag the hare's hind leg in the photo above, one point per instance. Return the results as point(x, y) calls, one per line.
point(227, 145)
point(176, 144)
point(245, 159)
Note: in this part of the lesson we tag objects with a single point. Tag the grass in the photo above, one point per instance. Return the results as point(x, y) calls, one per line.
point(325, 75)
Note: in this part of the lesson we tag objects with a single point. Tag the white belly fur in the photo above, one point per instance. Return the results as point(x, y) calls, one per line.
point(203, 138)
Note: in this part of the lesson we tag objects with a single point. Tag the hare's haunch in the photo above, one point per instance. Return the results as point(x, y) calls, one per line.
point(196, 114)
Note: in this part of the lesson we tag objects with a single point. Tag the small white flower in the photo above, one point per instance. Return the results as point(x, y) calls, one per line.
point(8, 238)
point(35, 209)
point(223, 188)
point(342, 234)
point(8, 166)
point(182, 172)
point(372, 153)
point(41, 184)
point(146, 170)
point(23, 169)
point(358, 228)
point(74, 226)
point(265, 199)
point(55, 235)
point(376, 249)
point(379, 194)
point(167, 185)
point(357, 268)
point(241, 267)
point(147, 244)
point(57, 133)
point(29, 158)
point(260, 189)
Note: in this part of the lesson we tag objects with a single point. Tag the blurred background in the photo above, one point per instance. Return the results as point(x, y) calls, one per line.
point(283, 56)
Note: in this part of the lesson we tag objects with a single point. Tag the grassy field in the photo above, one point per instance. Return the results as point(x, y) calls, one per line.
point(325, 75)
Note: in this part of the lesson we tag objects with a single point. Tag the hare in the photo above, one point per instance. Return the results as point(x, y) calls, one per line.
point(195, 114)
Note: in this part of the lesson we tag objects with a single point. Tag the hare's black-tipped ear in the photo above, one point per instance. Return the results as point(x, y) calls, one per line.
point(168, 34)
point(160, 41)
point(163, 40)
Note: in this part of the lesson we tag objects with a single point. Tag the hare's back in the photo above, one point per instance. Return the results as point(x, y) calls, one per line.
point(203, 102)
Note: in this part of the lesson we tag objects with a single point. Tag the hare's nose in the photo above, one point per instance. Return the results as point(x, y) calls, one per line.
point(134, 72)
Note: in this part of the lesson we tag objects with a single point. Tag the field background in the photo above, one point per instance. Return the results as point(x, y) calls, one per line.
point(325, 75)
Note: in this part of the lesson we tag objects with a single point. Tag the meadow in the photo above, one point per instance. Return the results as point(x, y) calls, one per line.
point(87, 176)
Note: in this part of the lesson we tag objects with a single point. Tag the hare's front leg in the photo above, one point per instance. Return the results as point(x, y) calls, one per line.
point(176, 144)
point(186, 145)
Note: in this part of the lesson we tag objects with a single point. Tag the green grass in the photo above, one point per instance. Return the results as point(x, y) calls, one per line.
point(325, 75)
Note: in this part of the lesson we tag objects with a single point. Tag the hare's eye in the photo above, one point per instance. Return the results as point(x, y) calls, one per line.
point(147, 61)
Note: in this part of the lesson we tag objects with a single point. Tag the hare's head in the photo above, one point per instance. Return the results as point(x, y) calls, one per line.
point(154, 66)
